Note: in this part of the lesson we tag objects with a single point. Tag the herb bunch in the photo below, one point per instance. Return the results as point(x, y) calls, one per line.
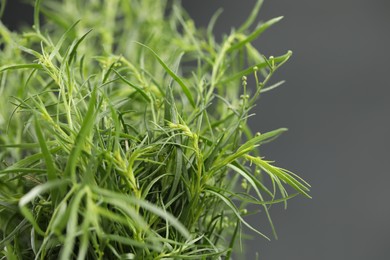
point(124, 134)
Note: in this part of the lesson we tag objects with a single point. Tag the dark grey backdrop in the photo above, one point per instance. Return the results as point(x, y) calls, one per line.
point(336, 105)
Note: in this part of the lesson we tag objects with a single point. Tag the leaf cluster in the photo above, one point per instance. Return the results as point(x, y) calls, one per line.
point(124, 134)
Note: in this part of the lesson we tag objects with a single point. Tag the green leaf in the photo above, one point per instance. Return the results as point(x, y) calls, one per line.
point(50, 166)
point(21, 66)
point(231, 206)
point(252, 17)
point(2, 7)
point(255, 184)
point(132, 242)
point(51, 169)
point(22, 226)
point(24, 164)
point(138, 89)
point(22, 170)
point(281, 174)
point(260, 29)
point(36, 15)
point(278, 84)
point(173, 75)
point(82, 137)
point(248, 71)
point(261, 138)
point(244, 149)
point(147, 206)
point(61, 40)
point(22, 145)
point(75, 45)
point(34, 193)
point(72, 225)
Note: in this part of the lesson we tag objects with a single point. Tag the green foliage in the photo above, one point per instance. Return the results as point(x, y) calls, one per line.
point(124, 134)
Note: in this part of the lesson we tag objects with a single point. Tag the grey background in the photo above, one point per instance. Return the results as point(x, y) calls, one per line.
point(336, 105)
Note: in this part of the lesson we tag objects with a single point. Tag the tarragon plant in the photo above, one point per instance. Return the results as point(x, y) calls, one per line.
point(124, 135)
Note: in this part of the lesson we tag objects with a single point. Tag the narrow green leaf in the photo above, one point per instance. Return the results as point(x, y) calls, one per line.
point(132, 242)
point(134, 218)
point(148, 206)
point(249, 71)
point(21, 145)
point(146, 190)
point(9, 253)
point(109, 70)
point(51, 169)
point(21, 66)
point(36, 16)
point(50, 166)
point(34, 193)
point(232, 240)
point(2, 7)
point(281, 174)
point(72, 226)
point(254, 184)
point(138, 89)
point(23, 165)
point(244, 149)
point(179, 169)
point(61, 213)
point(22, 226)
point(231, 205)
point(82, 137)
point(90, 227)
point(252, 17)
point(278, 84)
point(75, 45)
point(210, 158)
point(260, 29)
point(212, 22)
point(61, 40)
point(173, 75)
point(22, 170)
point(261, 138)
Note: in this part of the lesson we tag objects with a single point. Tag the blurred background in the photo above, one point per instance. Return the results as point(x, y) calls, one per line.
point(336, 105)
